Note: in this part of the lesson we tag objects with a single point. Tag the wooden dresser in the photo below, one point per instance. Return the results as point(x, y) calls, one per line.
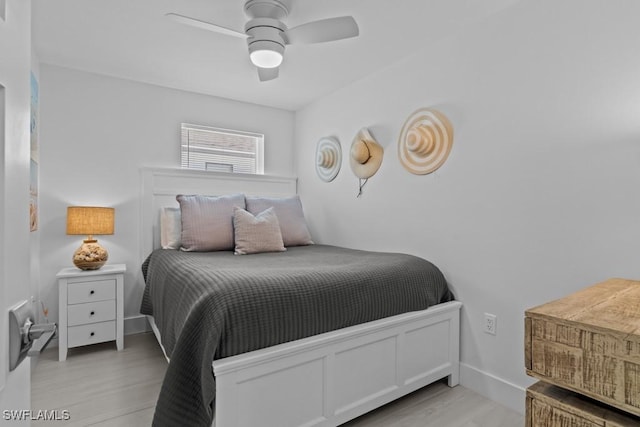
point(588, 343)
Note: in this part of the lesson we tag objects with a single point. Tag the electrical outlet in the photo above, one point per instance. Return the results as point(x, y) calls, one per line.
point(490, 323)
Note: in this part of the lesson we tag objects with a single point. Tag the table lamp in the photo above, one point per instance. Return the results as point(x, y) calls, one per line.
point(90, 221)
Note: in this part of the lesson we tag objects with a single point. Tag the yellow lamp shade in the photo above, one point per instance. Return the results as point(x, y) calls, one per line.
point(90, 220)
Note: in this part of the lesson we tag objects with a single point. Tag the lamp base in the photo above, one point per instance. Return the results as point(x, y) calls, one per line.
point(90, 256)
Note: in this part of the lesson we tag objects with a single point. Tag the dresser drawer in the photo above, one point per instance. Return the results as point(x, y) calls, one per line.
point(550, 406)
point(93, 312)
point(91, 291)
point(91, 334)
point(589, 342)
point(577, 357)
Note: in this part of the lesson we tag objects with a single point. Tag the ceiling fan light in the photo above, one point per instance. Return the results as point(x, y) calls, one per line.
point(266, 54)
point(266, 58)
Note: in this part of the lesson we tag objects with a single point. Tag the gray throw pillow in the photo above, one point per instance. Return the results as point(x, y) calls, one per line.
point(207, 221)
point(290, 216)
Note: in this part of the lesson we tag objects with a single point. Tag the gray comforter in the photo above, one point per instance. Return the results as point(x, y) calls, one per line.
point(216, 304)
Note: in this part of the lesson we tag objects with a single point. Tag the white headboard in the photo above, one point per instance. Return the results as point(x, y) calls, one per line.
point(160, 186)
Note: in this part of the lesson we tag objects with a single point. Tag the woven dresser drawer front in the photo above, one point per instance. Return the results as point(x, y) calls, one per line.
point(598, 365)
point(588, 342)
point(551, 406)
point(545, 415)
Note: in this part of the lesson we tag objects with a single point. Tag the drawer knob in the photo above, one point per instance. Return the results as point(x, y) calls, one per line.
point(92, 292)
point(93, 312)
point(93, 333)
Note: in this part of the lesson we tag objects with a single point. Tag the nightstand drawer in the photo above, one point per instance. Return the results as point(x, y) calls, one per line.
point(98, 290)
point(91, 334)
point(94, 312)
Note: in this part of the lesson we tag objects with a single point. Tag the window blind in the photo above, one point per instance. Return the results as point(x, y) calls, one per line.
point(221, 150)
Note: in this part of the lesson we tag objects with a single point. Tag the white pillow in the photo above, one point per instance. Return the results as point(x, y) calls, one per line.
point(256, 234)
point(170, 228)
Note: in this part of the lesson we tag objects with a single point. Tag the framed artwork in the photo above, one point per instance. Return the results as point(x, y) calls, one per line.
point(33, 180)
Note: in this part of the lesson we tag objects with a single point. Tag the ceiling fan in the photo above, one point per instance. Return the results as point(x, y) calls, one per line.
point(267, 35)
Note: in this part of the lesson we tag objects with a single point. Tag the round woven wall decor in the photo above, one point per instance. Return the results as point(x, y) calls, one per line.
point(328, 158)
point(425, 141)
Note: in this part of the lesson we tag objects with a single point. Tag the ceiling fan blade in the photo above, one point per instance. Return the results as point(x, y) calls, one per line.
point(267, 74)
point(205, 25)
point(324, 30)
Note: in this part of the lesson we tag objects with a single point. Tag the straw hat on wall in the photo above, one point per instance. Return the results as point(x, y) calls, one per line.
point(366, 155)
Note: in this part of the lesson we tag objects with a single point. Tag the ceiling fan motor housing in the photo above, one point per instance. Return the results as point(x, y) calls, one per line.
point(265, 28)
point(265, 34)
point(274, 9)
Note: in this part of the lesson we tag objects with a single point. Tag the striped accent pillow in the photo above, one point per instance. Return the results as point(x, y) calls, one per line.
point(256, 234)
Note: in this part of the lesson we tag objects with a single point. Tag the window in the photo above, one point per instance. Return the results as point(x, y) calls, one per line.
point(222, 150)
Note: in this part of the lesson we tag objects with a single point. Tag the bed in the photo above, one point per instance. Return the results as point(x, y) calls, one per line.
point(322, 355)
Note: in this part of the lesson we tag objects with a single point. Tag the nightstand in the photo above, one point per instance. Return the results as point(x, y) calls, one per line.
point(91, 307)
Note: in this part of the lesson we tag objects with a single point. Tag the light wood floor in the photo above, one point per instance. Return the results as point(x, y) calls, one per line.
point(100, 386)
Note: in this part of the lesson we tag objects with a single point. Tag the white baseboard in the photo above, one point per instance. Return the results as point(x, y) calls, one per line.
point(497, 389)
point(136, 325)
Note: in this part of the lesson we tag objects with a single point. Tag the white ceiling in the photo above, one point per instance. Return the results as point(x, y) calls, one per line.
point(132, 39)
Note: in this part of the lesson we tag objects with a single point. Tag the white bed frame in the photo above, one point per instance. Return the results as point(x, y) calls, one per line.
point(323, 380)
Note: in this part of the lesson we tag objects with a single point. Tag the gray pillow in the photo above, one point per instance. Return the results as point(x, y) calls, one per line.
point(290, 216)
point(207, 221)
point(255, 234)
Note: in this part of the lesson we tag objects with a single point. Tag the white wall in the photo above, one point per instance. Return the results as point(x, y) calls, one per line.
point(97, 132)
point(539, 196)
point(15, 54)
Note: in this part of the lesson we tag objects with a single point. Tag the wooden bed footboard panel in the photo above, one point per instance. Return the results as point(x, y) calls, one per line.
point(331, 378)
